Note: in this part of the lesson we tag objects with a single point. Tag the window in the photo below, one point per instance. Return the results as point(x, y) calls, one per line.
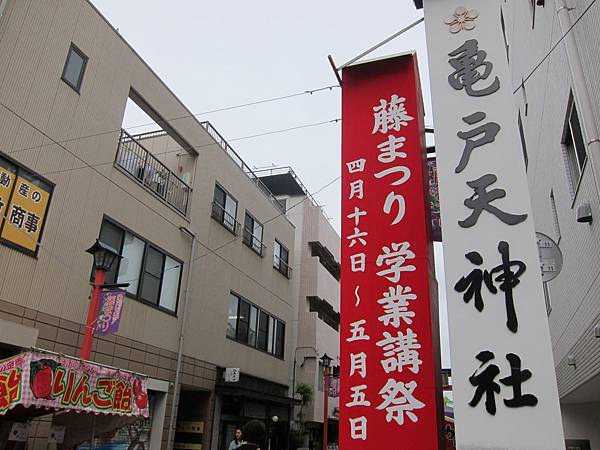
point(532, 5)
point(574, 145)
point(555, 216)
point(523, 143)
point(74, 68)
point(547, 299)
point(224, 210)
point(281, 259)
point(153, 275)
point(503, 25)
point(249, 325)
point(253, 234)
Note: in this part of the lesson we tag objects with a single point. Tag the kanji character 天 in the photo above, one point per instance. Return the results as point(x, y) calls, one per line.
point(397, 199)
point(388, 150)
point(358, 236)
point(400, 350)
point(468, 62)
point(358, 262)
point(358, 428)
point(481, 200)
point(356, 189)
point(509, 273)
point(398, 399)
point(31, 223)
point(359, 398)
point(395, 306)
point(24, 190)
point(487, 133)
point(516, 378)
point(356, 166)
point(17, 216)
point(471, 284)
point(358, 332)
point(356, 215)
point(390, 115)
point(394, 258)
point(358, 364)
point(484, 382)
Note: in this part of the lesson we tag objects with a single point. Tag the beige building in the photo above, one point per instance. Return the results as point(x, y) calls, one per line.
point(316, 285)
point(205, 246)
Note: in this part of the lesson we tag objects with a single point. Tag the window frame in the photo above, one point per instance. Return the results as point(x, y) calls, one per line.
point(270, 319)
point(277, 267)
point(574, 167)
point(73, 48)
point(137, 295)
point(523, 140)
point(223, 211)
point(250, 244)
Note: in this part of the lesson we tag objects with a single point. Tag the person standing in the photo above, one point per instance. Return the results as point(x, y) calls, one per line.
point(237, 440)
point(254, 436)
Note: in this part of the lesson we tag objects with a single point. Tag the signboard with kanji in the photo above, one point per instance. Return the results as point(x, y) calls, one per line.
point(109, 312)
point(504, 384)
point(389, 359)
point(24, 201)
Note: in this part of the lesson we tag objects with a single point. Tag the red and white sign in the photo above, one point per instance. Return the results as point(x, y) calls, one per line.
point(389, 365)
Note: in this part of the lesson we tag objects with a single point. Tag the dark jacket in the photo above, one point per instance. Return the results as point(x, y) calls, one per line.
point(248, 447)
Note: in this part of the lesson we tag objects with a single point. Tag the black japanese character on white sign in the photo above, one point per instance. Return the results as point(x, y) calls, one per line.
point(471, 67)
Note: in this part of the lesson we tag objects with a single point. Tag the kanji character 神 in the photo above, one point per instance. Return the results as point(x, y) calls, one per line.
point(468, 62)
point(395, 306)
point(481, 200)
point(390, 115)
point(359, 398)
point(400, 350)
point(471, 284)
point(487, 133)
point(398, 399)
point(394, 258)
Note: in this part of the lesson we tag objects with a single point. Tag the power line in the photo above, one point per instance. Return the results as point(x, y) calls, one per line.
point(227, 108)
point(554, 47)
point(143, 203)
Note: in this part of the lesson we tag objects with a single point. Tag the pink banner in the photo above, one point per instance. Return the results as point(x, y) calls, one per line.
point(56, 382)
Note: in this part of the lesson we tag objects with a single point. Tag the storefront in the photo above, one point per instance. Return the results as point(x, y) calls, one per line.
point(54, 401)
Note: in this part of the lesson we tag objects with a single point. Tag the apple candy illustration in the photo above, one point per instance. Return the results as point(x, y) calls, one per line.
point(41, 376)
point(141, 398)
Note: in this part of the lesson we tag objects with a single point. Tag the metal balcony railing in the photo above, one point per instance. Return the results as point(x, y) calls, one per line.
point(242, 165)
point(282, 267)
point(224, 218)
point(138, 162)
point(253, 242)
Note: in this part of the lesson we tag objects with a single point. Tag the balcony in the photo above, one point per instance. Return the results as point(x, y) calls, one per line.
point(282, 267)
point(253, 242)
point(146, 169)
point(224, 218)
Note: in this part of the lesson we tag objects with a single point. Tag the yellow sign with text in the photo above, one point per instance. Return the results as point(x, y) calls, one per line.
point(7, 180)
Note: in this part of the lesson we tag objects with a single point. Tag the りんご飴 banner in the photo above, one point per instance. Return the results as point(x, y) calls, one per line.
point(41, 380)
point(389, 370)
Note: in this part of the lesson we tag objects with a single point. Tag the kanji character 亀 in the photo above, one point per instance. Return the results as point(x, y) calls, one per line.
point(390, 115)
point(471, 284)
point(400, 350)
point(471, 67)
point(17, 216)
point(398, 399)
point(481, 200)
point(358, 428)
point(488, 133)
point(359, 398)
point(395, 306)
point(394, 258)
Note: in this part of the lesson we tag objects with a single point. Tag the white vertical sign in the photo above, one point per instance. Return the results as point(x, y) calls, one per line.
point(505, 393)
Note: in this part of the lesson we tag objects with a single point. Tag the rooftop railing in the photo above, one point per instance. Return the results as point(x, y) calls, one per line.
point(138, 162)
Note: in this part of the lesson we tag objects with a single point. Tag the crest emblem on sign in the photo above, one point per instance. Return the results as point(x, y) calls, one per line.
point(462, 19)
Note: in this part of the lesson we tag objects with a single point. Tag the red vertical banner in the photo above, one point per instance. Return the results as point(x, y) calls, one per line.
point(388, 396)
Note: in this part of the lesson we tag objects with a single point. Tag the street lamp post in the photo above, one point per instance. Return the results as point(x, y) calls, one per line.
point(326, 363)
point(104, 257)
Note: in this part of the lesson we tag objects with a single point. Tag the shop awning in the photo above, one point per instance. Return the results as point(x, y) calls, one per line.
point(43, 381)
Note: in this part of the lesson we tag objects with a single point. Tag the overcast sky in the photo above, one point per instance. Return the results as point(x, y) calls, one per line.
point(219, 54)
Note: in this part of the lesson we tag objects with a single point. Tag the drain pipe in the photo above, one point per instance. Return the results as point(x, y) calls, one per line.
point(176, 385)
point(580, 89)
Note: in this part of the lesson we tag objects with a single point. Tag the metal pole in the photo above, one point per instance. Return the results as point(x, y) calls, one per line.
point(382, 43)
point(582, 96)
point(88, 336)
point(325, 406)
point(177, 383)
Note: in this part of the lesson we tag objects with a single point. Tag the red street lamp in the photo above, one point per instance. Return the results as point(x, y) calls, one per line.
point(104, 257)
point(326, 360)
